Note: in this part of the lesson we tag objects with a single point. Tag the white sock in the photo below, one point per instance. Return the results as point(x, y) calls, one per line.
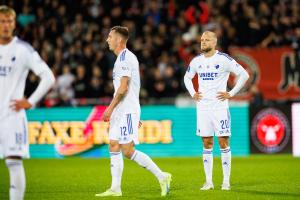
point(116, 169)
point(146, 162)
point(17, 179)
point(208, 164)
point(226, 164)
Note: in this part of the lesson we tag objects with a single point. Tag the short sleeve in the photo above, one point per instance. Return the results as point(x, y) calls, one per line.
point(125, 64)
point(125, 68)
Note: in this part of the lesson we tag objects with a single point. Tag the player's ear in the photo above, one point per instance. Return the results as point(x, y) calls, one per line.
point(15, 25)
point(216, 41)
point(119, 39)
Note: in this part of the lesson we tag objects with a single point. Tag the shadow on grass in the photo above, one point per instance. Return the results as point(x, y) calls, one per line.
point(266, 193)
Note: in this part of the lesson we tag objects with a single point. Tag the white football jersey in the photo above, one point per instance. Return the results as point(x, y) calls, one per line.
point(213, 73)
point(16, 59)
point(127, 64)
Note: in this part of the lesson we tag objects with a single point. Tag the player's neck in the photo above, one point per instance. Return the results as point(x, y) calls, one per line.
point(119, 49)
point(5, 40)
point(209, 53)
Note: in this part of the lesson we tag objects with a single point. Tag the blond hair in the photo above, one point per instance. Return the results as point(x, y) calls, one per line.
point(7, 10)
point(122, 30)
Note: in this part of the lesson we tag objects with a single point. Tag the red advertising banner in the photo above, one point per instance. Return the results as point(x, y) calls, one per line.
point(274, 71)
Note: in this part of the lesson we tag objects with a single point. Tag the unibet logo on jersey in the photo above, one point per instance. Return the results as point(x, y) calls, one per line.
point(208, 75)
point(4, 70)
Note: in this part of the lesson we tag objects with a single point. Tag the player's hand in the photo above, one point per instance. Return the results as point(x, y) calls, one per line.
point(20, 104)
point(140, 124)
point(197, 96)
point(107, 114)
point(223, 96)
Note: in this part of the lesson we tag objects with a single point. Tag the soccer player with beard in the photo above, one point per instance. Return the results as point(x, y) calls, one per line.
point(213, 118)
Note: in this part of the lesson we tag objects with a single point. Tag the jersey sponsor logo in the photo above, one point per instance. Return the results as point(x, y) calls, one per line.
point(125, 68)
point(208, 75)
point(4, 70)
point(270, 130)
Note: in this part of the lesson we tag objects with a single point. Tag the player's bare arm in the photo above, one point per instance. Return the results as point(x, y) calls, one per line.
point(120, 94)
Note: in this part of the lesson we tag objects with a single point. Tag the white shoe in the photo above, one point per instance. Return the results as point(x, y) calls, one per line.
point(166, 184)
point(225, 186)
point(109, 193)
point(207, 186)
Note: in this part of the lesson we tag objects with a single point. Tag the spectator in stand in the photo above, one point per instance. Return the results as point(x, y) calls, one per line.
point(64, 85)
point(80, 83)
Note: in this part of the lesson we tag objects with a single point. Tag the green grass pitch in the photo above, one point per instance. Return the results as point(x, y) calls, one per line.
point(254, 177)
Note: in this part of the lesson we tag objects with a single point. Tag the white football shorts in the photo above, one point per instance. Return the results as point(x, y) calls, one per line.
point(124, 128)
point(14, 136)
point(213, 122)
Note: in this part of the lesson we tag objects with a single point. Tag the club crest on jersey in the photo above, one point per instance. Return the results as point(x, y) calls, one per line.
point(200, 66)
point(217, 66)
point(13, 59)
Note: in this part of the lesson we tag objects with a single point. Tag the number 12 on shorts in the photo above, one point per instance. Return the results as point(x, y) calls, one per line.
point(125, 131)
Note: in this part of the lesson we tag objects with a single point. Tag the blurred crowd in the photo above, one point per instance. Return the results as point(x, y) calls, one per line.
point(70, 36)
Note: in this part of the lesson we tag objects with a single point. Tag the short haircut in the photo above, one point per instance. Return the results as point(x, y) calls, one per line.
point(7, 10)
point(122, 30)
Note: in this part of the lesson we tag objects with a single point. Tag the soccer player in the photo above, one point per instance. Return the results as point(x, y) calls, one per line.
point(16, 59)
point(123, 114)
point(213, 117)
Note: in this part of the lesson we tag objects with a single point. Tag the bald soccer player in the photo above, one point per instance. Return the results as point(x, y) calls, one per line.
point(213, 117)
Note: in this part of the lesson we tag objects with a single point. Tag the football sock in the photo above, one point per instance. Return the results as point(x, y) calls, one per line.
point(116, 169)
point(146, 162)
point(226, 164)
point(17, 179)
point(208, 164)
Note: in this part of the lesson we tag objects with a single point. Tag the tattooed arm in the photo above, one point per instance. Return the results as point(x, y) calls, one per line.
point(120, 94)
